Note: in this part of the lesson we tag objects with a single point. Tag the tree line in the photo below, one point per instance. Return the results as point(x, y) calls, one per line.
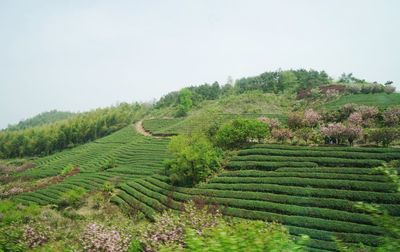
point(82, 128)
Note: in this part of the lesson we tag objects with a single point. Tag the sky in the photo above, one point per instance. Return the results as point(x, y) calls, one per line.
point(83, 54)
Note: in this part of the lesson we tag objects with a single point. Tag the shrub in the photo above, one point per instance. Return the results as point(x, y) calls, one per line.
point(98, 238)
point(282, 135)
point(240, 132)
point(272, 123)
point(304, 134)
point(242, 236)
point(108, 187)
point(67, 169)
point(72, 198)
point(389, 89)
point(169, 229)
point(295, 120)
point(34, 236)
point(194, 159)
point(353, 88)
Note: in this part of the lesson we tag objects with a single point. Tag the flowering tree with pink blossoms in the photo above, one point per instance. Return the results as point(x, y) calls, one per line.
point(391, 116)
point(272, 123)
point(355, 118)
point(311, 117)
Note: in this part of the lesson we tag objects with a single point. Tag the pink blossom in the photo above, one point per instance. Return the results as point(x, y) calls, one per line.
point(312, 117)
point(355, 118)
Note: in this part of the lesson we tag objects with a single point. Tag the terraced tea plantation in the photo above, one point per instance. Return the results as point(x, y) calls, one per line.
point(312, 190)
point(122, 156)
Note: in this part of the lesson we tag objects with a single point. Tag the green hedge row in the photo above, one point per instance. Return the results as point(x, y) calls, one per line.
point(321, 161)
point(301, 221)
point(329, 203)
point(331, 176)
point(307, 182)
point(328, 148)
point(309, 153)
point(340, 170)
point(137, 204)
point(365, 196)
point(280, 208)
point(165, 200)
point(268, 166)
point(154, 204)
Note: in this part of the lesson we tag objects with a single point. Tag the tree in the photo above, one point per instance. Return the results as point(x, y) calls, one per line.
point(312, 118)
point(184, 102)
point(240, 132)
point(194, 159)
point(333, 132)
point(384, 135)
point(356, 118)
point(352, 132)
point(391, 116)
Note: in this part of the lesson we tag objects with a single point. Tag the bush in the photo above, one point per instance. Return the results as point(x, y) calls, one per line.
point(282, 135)
point(169, 229)
point(72, 198)
point(241, 236)
point(305, 134)
point(295, 120)
point(389, 89)
point(240, 132)
point(67, 169)
point(98, 238)
point(194, 159)
point(272, 123)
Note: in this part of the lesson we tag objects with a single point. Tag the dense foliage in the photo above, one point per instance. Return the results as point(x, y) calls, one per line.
point(85, 127)
point(240, 132)
point(194, 159)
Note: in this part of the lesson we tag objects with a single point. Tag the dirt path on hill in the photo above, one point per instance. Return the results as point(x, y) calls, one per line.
point(139, 128)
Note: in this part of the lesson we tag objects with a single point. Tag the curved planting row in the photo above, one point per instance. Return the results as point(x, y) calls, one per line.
point(312, 190)
point(123, 148)
point(158, 195)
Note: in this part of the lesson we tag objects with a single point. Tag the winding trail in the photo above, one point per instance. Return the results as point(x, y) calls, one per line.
point(139, 128)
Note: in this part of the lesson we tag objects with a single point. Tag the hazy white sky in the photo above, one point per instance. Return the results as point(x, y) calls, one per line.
point(83, 54)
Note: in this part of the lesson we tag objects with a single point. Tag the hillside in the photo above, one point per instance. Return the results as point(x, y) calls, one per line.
point(311, 190)
point(380, 100)
point(301, 156)
point(40, 119)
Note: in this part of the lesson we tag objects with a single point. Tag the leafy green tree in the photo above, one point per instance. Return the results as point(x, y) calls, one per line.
point(184, 102)
point(194, 159)
point(240, 132)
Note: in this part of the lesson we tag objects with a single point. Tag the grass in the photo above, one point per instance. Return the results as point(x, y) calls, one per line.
point(380, 100)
